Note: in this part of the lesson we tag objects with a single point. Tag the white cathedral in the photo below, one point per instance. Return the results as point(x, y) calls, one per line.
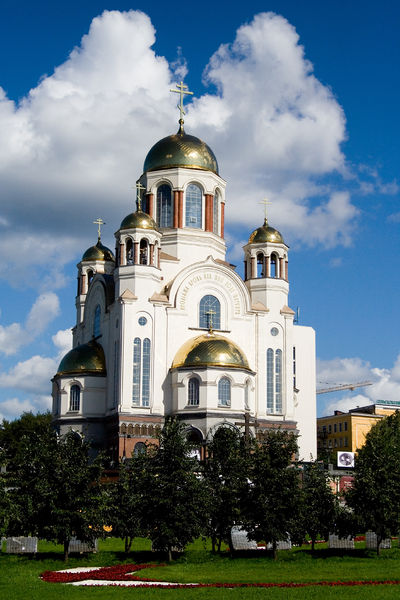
point(166, 326)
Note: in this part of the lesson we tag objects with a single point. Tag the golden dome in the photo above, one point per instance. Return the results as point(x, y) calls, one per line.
point(98, 252)
point(265, 233)
point(84, 359)
point(210, 350)
point(181, 150)
point(138, 220)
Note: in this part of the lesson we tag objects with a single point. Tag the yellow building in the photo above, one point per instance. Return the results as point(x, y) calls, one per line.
point(347, 431)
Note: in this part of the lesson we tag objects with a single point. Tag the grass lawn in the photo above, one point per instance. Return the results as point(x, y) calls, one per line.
point(19, 575)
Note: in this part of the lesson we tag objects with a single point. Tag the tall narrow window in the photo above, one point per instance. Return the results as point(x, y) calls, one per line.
point(209, 312)
point(216, 212)
point(137, 359)
point(146, 373)
point(75, 398)
point(141, 372)
point(274, 381)
point(193, 392)
point(274, 266)
point(270, 380)
point(96, 321)
point(193, 206)
point(90, 276)
point(129, 251)
point(260, 265)
point(294, 367)
point(164, 206)
point(224, 392)
point(144, 252)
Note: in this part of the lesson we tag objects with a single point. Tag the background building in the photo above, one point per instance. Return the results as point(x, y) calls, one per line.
point(165, 326)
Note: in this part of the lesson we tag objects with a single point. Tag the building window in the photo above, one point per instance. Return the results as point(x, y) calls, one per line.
point(274, 381)
point(260, 265)
point(96, 321)
point(140, 448)
point(335, 428)
point(274, 265)
point(193, 392)
point(144, 252)
point(75, 398)
point(329, 428)
point(193, 206)
point(129, 251)
point(90, 275)
point(345, 425)
point(345, 442)
point(164, 206)
point(210, 312)
point(141, 372)
point(340, 427)
point(216, 212)
point(224, 392)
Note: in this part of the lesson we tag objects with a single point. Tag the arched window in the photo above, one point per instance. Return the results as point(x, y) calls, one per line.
point(193, 392)
point(193, 206)
point(224, 392)
point(216, 212)
point(96, 321)
point(75, 398)
point(260, 265)
point(274, 265)
point(274, 381)
point(90, 276)
point(164, 206)
point(140, 448)
point(144, 252)
point(210, 312)
point(129, 251)
point(141, 372)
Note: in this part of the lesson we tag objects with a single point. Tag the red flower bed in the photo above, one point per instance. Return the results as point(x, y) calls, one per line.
point(120, 573)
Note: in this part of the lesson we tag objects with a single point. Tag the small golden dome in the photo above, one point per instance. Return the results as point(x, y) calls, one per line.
point(265, 233)
point(84, 359)
point(210, 350)
point(98, 252)
point(138, 220)
point(181, 150)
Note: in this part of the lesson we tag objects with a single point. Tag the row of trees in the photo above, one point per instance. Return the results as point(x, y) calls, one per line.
point(52, 490)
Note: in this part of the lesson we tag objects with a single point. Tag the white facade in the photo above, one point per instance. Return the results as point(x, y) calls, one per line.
point(135, 313)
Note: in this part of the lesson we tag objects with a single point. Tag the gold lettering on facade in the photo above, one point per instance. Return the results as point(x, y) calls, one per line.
point(220, 279)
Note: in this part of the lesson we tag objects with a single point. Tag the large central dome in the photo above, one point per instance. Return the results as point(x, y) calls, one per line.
point(181, 150)
point(210, 350)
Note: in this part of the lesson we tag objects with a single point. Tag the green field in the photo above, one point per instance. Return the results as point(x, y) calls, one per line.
point(19, 575)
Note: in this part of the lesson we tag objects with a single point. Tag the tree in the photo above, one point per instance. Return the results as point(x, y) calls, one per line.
point(173, 494)
point(126, 501)
point(12, 432)
point(318, 503)
point(55, 488)
point(272, 505)
point(375, 496)
point(225, 476)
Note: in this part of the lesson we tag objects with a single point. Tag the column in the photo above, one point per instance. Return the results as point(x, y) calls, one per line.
point(121, 255)
point(150, 204)
point(175, 219)
point(253, 267)
point(209, 205)
point(282, 268)
point(151, 254)
point(222, 218)
point(135, 253)
point(287, 271)
point(180, 209)
point(268, 267)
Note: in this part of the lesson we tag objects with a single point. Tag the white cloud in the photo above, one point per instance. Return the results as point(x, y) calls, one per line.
point(385, 382)
point(32, 375)
point(62, 341)
point(76, 143)
point(43, 311)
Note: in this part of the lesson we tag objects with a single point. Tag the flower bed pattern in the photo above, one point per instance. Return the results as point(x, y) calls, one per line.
point(123, 575)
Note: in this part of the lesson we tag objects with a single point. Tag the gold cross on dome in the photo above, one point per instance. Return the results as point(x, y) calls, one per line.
point(99, 222)
point(139, 188)
point(182, 90)
point(210, 314)
point(266, 203)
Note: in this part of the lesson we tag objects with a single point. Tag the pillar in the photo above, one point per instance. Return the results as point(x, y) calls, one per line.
point(175, 218)
point(222, 218)
point(121, 255)
point(180, 208)
point(253, 267)
point(287, 271)
point(282, 268)
point(151, 254)
point(209, 205)
point(135, 253)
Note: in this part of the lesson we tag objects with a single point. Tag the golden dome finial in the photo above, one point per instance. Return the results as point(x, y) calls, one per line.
point(99, 222)
point(182, 89)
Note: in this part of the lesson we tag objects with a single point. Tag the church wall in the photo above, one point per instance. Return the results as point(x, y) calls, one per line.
point(305, 409)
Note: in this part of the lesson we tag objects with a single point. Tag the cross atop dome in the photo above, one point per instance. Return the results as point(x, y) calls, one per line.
point(182, 90)
point(99, 222)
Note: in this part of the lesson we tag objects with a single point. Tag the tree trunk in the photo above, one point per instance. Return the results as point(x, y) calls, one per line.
point(128, 544)
point(219, 544)
point(275, 549)
point(312, 544)
point(66, 550)
point(231, 548)
point(213, 544)
point(378, 544)
point(169, 554)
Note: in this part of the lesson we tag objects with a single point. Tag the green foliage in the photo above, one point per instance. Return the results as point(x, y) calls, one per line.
point(225, 477)
point(12, 432)
point(319, 506)
point(375, 496)
point(173, 495)
point(273, 506)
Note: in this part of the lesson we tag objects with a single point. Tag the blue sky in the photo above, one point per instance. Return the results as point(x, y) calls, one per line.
point(299, 102)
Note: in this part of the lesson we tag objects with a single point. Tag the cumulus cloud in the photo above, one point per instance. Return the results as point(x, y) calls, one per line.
point(385, 382)
point(43, 311)
point(76, 143)
point(32, 375)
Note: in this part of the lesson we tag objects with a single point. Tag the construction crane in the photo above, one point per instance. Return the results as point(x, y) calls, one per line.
point(343, 386)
